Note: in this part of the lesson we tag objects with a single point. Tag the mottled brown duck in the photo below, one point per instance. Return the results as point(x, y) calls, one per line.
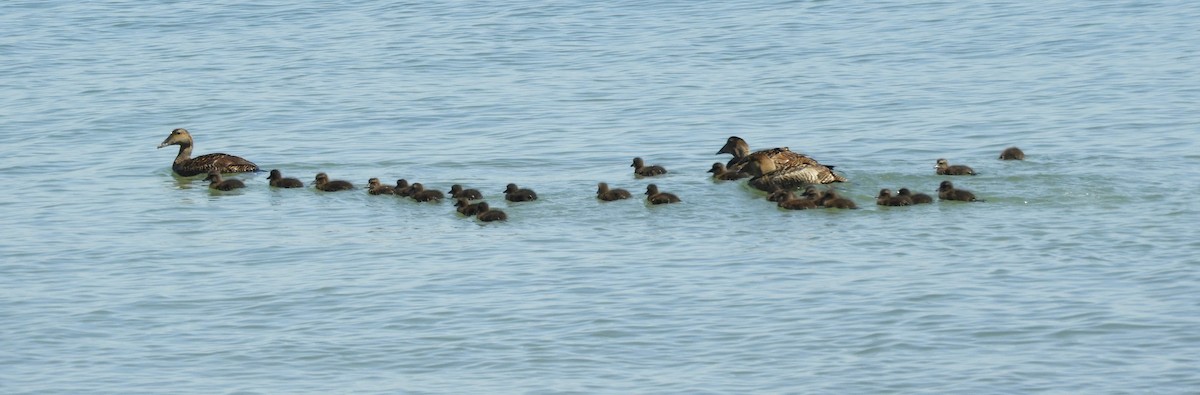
point(187, 166)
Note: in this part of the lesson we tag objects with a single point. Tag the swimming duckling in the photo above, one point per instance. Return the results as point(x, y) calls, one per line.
point(222, 185)
point(946, 191)
point(323, 183)
point(375, 188)
point(1012, 153)
point(835, 200)
point(917, 198)
point(791, 202)
point(187, 166)
point(778, 195)
point(656, 197)
point(402, 188)
point(487, 214)
point(514, 194)
point(457, 191)
point(721, 173)
point(277, 180)
point(886, 199)
point(641, 170)
point(608, 195)
point(944, 168)
point(464, 207)
point(420, 194)
point(813, 193)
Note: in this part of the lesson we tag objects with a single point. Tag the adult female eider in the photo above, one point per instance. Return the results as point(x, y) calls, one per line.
point(420, 194)
point(1012, 153)
point(769, 175)
point(781, 156)
point(655, 197)
point(187, 166)
point(641, 170)
point(791, 202)
point(917, 198)
point(885, 198)
point(457, 191)
point(276, 179)
point(374, 187)
point(608, 195)
point(323, 183)
point(945, 169)
point(514, 194)
point(487, 214)
point(721, 173)
point(215, 182)
point(946, 191)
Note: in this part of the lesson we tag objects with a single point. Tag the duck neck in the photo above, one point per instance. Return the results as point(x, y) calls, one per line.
point(185, 153)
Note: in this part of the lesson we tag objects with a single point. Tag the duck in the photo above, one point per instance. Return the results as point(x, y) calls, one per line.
point(834, 200)
point(277, 180)
point(187, 166)
point(1012, 153)
point(376, 188)
point(886, 199)
point(946, 191)
point(487, 214)
point(778, 195)
point(769, 175)
point(641, 170)
point(816, 195)
point(917, 198)
point(420, 194)
point(783, 157)
point(514, 194)
point(791, 202)
point(721, 173)
point(608, 195)
point(945, 169)
point(457, 191)
point(402, 188)
point(323, 183)
point(465, 207)
point(216, 183)
point(656, 197)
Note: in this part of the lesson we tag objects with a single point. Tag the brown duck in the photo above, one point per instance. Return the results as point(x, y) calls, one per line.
point(323, 183)
point(781, 157)
point(187, 166)
point(641, 170)
point(276, 179)
point(1012, 153)
point(946, 191)
point(215, 182)
point(945, 169)
point(656, 197)
point(608, 195)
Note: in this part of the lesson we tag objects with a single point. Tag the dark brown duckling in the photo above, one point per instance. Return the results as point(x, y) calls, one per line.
point(641, 170)
point(279, 181)
point(222, 185)
point(487, 214)
point(376, 188)
point(514, 194)
point(778, 195)
point(465, 207)
point(946, 191)
point(944, 168)
point(420, 194)
point(886, 199)
point(187, 166)
point(791, 202)
point(402, 188)
point(812, 193)
point(457, 191)
point(1012, 153)
point(835, 200)
point(323, 183)
point(608, 195)
point(917, 198)
point(721, 173)
point(656, 197)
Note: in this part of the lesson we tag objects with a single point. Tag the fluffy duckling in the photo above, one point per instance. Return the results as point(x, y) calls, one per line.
point(457, 191)
point(835, 200)
point(465, 207)
point(946, 191)
point(402, 188)
point(944, 168)
point(813, 193)
point(886, 199)
point(608, 195)
point(656, 197)
point(778, 195)
point(187, 166)
point(1012, 153)
point(514, 194)
point(376, 188)
point(222, 185)
point(487, 214)
point(791, 202)
point(420, 194)
point(277, 180)
point(323, 183)
point(721, 173)
point(917, 198)
point(641, 170)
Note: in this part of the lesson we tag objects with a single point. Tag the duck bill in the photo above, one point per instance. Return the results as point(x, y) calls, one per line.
point(727, 149)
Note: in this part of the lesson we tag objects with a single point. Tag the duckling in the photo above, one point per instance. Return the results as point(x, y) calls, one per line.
point(222, 185)
point(187, 166)
point(778, 195)
point(375, 188)
point(402, 188)
point(944, 168)
point(835, 200)
point(277, 180)
point(946, 191)
point(641, 170)
point(464, 207)
point(323, 183)
point(721, 173)
point(886, 199)
point(813, 193)
point(487, 214)
point(791, 202)
point(656, 197)
point(1012, 153)
point(514, 194)
point(457, 191)
point(420, 194)
point(917, 198)
point(608, 195)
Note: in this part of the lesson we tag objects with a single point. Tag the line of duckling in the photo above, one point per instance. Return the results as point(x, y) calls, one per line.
point(778, 171)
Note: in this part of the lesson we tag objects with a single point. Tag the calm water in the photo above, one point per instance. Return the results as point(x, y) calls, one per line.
point(1078, 275)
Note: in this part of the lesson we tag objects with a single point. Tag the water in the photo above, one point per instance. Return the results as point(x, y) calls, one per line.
point(1078, 275)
